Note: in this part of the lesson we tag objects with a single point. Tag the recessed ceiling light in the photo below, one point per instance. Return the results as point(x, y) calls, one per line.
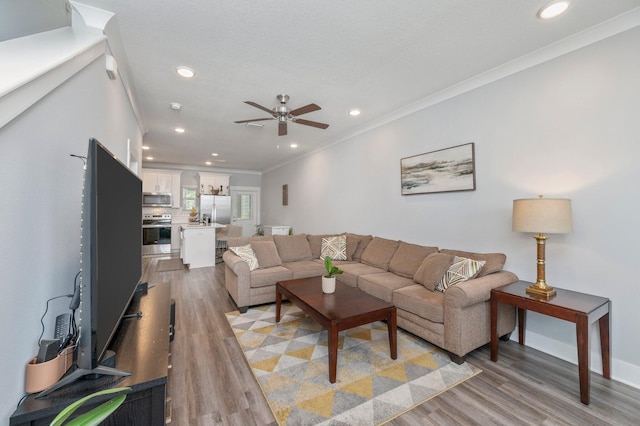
point(553, 9)
point(145, 147)
point(185, 72)
point(149, 158)
point(176, 106)
point(294, 145)
point(215, 154)
point(354, 112)
point(208, 163)
point(179, 130)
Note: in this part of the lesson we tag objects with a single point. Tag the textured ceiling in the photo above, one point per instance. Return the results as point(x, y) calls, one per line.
point(375, 55)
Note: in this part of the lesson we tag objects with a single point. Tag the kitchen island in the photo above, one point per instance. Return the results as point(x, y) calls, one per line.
point(198, 244)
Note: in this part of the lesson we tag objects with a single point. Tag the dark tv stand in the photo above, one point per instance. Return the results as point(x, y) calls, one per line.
point(81, 373)
point(142, 346)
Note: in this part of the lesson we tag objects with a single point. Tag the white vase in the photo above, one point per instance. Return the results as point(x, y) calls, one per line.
point(328, 284)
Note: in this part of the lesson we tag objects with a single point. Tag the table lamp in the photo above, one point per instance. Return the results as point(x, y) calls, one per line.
point(542, 215)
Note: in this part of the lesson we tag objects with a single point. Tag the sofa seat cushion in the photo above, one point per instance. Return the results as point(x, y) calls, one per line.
point(408, 258)
point(379, 252)
point(292, 248)
point(494, 262)
point(270, 276)
point(421, 302)
point(351, 272)
point(305, 268)
point(383, 285)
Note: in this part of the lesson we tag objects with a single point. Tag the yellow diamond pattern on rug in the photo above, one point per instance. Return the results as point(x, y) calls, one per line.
point(290, 362)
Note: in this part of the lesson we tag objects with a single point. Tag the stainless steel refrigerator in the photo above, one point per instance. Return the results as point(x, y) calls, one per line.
point(217, 208)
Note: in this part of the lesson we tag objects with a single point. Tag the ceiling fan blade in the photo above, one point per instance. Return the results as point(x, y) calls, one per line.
point(255, 119)
point(282, 128)
point(311, 123)
point(305, 109)
point(265, 109)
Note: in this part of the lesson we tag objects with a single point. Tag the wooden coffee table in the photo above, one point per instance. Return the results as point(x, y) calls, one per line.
point(347, 308)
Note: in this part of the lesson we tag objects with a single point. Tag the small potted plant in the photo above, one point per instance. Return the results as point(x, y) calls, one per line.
point(329, 279)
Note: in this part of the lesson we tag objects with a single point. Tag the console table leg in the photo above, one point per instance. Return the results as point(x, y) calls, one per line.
point(582, 332)
point(522, 324)
point(605, 346)
point(494, 329)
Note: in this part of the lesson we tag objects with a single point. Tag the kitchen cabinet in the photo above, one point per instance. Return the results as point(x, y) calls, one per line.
point(198, 245)
point(215, 181)
point(162, 181)
point(175, 237)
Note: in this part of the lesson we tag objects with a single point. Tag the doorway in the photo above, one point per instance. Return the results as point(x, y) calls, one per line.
point(245, 208)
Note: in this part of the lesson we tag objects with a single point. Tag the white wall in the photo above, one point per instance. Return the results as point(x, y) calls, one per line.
point(41, 188)
point(568, 128)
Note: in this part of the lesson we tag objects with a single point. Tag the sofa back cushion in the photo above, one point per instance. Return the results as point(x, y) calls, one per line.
point(356, 244)
point(293, 248)
point(243, 241)
point(408, 257)
point(432, 269)
point(494, 262)
point(379, 252)
point(266, 253)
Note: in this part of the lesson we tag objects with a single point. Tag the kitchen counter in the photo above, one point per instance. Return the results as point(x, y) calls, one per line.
point(198, 248)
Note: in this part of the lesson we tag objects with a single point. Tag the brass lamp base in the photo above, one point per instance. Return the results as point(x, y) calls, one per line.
point(541, 289)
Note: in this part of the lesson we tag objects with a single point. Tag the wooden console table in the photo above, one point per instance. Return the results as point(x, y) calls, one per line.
point(579, 308)
point(142, 349)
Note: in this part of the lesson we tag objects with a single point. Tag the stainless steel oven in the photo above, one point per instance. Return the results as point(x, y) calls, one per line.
point(156, 233)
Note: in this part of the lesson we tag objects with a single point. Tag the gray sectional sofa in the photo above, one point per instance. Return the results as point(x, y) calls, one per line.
point(455, 318)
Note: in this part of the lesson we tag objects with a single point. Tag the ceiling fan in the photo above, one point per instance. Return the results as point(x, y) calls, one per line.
point(282, 113)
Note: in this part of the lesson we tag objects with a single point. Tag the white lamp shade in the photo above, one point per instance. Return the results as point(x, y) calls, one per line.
point(542, 215)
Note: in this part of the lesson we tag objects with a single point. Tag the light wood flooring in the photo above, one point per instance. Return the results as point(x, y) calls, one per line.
point(210, 382)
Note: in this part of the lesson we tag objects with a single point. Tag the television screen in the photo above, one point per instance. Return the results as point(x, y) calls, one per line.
point(111, 257)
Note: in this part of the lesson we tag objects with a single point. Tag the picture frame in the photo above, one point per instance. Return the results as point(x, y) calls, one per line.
point(285, 195)
point(445, 170)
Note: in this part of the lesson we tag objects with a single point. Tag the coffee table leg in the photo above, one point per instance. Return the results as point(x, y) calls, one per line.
point(393, 333)
point(278, 303)
point(333, 352)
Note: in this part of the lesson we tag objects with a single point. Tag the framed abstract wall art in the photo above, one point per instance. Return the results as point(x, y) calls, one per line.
point(445, 170)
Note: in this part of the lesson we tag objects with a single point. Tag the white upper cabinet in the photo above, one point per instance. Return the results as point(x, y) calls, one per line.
point(209, 181)
point(162, 181)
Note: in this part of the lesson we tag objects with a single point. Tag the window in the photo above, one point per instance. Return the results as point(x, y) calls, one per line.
point(245, 211)
point(188, 197)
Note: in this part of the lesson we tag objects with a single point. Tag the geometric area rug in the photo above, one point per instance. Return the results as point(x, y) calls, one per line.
point(290, 362)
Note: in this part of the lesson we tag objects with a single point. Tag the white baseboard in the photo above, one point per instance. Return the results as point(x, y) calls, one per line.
point(621, 371)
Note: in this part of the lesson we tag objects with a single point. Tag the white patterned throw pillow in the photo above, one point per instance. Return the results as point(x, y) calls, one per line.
point(460, 270)
point(247, 254)
point(334, 247)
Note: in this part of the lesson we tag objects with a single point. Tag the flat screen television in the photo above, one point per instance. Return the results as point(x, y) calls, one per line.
point(111, 257)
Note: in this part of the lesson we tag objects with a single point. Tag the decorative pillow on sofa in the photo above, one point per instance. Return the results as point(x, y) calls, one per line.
point(432, 269)
point(494, 261)
point(266, 253)
point(379, 252)
point(408, 257)
point(247, 254)
point(315, 243)
point(461, 270)
point(293, 248)
point(334, 247)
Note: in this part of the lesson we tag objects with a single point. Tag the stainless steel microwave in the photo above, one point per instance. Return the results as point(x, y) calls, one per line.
point(156, 199)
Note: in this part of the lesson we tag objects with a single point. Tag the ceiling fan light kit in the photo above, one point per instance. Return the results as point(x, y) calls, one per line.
point(284, 114)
